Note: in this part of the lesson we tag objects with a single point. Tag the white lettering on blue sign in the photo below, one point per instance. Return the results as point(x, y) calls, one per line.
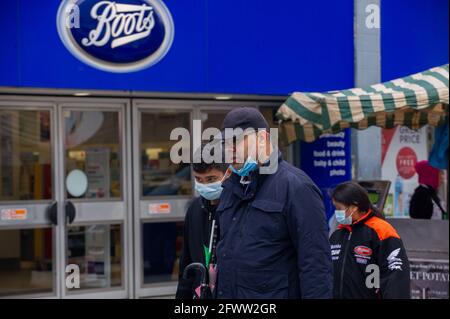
point(116, 36)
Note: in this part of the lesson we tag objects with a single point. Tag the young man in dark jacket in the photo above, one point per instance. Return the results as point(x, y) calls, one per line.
point(200, 228)
point(273, 230)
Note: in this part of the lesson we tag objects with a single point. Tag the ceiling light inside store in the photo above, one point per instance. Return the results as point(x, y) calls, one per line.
point(223, 97)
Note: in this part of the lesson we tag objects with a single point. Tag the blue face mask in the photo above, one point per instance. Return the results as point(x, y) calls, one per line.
point(209, 191)
point(249, 166)
point(341, 218)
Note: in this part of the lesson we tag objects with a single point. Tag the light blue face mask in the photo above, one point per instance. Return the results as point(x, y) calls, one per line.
point(209, 191)
point(341, 218)
point(249, 166)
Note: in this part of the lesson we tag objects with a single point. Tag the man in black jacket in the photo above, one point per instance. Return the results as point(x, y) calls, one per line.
point(273, 230)
point(200, 228)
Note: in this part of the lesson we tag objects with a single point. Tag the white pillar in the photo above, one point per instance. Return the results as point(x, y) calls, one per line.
point(366, 144)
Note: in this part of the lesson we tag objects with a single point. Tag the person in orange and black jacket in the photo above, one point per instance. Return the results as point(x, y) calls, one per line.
point(364, 238)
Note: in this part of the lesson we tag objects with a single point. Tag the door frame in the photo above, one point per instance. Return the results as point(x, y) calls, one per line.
point(57, 104)
point(195, 107)
point(153, 106)
point(131, 188)
point(17, 104)
point(122, 106)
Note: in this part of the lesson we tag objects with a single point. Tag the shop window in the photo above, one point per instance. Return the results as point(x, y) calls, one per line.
point(26, 262)
point(162, 246)
point(160, 176)
point(93, 146)
point(25, 155)
point(97, 251)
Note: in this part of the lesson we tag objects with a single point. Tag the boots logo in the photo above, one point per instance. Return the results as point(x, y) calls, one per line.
point(116, 36)
point(123, 23)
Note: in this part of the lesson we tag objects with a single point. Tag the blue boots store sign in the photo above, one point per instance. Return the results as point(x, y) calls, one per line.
point(116, 36)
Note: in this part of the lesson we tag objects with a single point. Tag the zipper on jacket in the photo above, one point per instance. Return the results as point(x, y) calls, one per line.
point(343, 265)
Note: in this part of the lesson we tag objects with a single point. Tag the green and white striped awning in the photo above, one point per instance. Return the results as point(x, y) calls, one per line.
point(412, 101)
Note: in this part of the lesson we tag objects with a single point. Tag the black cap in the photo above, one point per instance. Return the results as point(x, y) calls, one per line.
point(244, 118)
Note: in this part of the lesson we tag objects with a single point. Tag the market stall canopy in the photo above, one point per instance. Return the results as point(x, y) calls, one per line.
point(412, 101)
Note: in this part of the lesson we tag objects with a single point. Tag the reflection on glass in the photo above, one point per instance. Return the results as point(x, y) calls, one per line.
point(92, 146)
point(26, 261)
point(159, 175)
point(162, 244)
point(97, 250)
point(25, 155)
point(213, 119)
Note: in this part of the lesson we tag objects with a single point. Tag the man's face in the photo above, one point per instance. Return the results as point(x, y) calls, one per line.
point(208, 177)
point(242, 147)
point(240, 151)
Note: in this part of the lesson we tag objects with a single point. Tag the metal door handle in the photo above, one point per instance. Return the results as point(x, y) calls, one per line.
point(71, 212)
point(52, 213)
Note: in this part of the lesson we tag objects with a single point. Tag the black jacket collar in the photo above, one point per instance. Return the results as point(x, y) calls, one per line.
point(207, 206)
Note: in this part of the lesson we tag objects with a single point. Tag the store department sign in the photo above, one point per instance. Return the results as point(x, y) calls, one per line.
point(429, 279)
point(328, 162)
point(116, 36)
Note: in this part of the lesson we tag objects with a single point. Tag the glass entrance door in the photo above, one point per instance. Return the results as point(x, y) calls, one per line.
point(87, 188)
point(96, 189)
point(65, 185)
point(162, 190)
point(28, 255)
